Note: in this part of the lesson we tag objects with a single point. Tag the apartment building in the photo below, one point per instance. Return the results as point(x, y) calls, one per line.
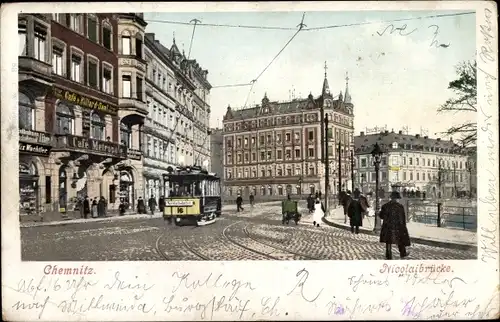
point(412, 162)
point(277, 148)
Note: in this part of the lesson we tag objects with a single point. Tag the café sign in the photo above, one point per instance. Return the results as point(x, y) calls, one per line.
point(134, 154)
point(29, 136)
point(31, 148)
point(84, 101)
point(104, 147)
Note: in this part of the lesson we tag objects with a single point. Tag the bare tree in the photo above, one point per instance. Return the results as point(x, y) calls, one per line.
point(464, 100)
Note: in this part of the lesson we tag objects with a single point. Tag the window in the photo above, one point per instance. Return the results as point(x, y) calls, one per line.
point(106, 81)
point(126, 86)
point(254, 156)
point(139, 88)
point(59, 17)
point(22, 39)
point(76, 62)
point(330, 151)
point(310, 135)
point(26, 112)
point(92, 74)
point(411, 161)
point(126, 45)
point(279, 154)
point(98, 127)
point(48, 189)
point(57, 61)
point(262, 156)
point(287, 137)
point(269, 155)
point(125, 135)
point(288, 154)
point(330, 134)
point(106, 37)
point(75, 22)
point(92, 28)
point(363, 163)
point(297, 153)
point(138, 47)
point(39, 43)
point(64, 119)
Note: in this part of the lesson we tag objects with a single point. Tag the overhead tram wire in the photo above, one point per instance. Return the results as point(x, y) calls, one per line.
point(196, 21)
point(312, 28)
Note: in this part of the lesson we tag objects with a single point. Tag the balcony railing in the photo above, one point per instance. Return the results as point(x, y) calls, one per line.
point(89, 145)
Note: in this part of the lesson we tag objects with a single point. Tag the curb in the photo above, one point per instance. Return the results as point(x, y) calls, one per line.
point(74, 222)
point(416, 240)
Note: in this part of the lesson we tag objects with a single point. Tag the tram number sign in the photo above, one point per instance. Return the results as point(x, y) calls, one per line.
point(180, 210)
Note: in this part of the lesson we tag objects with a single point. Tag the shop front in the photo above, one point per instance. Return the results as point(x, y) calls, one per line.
point(34, 149)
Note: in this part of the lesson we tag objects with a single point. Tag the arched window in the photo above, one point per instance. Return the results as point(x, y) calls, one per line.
point(26, 112)
point(98, 127)
point(126, 43)
point(125, 135)
point(64, 119)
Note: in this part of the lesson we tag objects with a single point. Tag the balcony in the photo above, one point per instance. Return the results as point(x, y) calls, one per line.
point(133, 104)
point(31, 69)
point(85, 145)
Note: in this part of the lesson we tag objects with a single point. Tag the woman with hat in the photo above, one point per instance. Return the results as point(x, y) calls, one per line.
point(394, 230)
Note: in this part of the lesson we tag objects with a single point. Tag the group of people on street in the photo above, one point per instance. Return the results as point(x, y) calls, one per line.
point(394, 230)
point(95, 208)
point(152, 204)
point(239, 202)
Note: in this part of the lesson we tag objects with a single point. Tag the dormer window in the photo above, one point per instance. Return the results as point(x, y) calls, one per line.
point(395, 145)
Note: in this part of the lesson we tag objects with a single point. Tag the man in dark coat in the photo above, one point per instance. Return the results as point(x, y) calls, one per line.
point(310, 203)
point(86, 207)
point(251, 199)
point(394, 230)
point(239, 202)
point(161, 204)
point(355, 213)
point(345, 200)
point(101, 207)
point(141, 208)
point(152, 204)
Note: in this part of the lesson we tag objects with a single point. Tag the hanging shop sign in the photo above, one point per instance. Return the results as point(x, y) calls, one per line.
point(84, 101)
point(31, 148)
point(134, 154)
point(29, 136)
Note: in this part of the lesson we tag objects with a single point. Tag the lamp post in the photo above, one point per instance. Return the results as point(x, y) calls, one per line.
point(362, 182)
point(377, 154)
point(455, 179)
point(469, 169)
point(440, 178)
point(327, 163)
point(299, 188)
point(339, 170)
point(352, 170)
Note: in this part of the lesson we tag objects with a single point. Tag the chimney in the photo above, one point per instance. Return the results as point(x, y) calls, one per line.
point(400, 132)
point(361, 133)
point(417, 136)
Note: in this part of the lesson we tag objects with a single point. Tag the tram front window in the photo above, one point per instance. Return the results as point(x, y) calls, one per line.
point(186, 189)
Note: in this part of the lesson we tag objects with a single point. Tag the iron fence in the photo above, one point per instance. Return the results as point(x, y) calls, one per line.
point(442, 215)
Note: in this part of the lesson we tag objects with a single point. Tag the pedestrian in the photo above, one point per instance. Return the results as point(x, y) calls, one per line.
point(318, 213)
point(80, 207)
point(251, 198)
point(355, 212)
point(141, 207)
point(101, 207)
point(161, 204)
point(345, 201)
point(152, 204)
point(239, 202)
point(394, 230)
point(94, 208)
point(121, 208)
point(310, 203)
point(86, 207)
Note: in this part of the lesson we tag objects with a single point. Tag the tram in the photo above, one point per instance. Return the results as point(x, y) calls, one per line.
point(194, 196)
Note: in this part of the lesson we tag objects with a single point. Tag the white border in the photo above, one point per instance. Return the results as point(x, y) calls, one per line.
point(270, 280)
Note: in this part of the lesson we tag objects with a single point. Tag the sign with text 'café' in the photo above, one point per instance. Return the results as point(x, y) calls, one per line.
point(108, 148)
point(84, 101)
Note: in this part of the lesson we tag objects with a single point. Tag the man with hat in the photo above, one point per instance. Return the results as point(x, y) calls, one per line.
point(394, 230)
point(355, 212)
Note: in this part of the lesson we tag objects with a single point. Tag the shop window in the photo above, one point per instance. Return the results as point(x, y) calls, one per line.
point(64, 119)
point(26, 112)
point(98, 127)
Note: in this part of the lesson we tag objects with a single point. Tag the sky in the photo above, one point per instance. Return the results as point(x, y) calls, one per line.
point(395, 80)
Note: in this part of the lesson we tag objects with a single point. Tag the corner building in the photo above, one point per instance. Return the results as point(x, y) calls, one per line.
point(176, 126)
point(68, 110)
point(277, 148)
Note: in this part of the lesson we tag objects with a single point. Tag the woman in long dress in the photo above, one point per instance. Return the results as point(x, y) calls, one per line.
point(318, 213)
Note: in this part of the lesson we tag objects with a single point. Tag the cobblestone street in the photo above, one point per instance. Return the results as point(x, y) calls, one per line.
point(254, 234)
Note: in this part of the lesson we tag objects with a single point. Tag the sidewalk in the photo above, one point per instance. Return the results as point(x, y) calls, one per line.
point(419, 233)
point(73, 219)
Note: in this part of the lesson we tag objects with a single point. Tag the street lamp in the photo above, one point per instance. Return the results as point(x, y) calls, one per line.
point(352, 170)
point(469, 169)
point(363, 182)
point(327, 162)
point(339, 170)
point(299, 185)
point(377, 155)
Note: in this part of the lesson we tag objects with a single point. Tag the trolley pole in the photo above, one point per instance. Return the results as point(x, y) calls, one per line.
point(340, 170)
point(352, 171)
point(327, 163)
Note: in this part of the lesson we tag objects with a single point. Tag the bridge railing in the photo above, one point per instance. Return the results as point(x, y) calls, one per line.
point(442, 214)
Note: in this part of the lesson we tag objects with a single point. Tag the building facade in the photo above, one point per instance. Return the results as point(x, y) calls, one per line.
point(412, 163)
point(175, 129)
point(216, 153)
point(68, 110)
point(132, 104)
point(277, 148)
